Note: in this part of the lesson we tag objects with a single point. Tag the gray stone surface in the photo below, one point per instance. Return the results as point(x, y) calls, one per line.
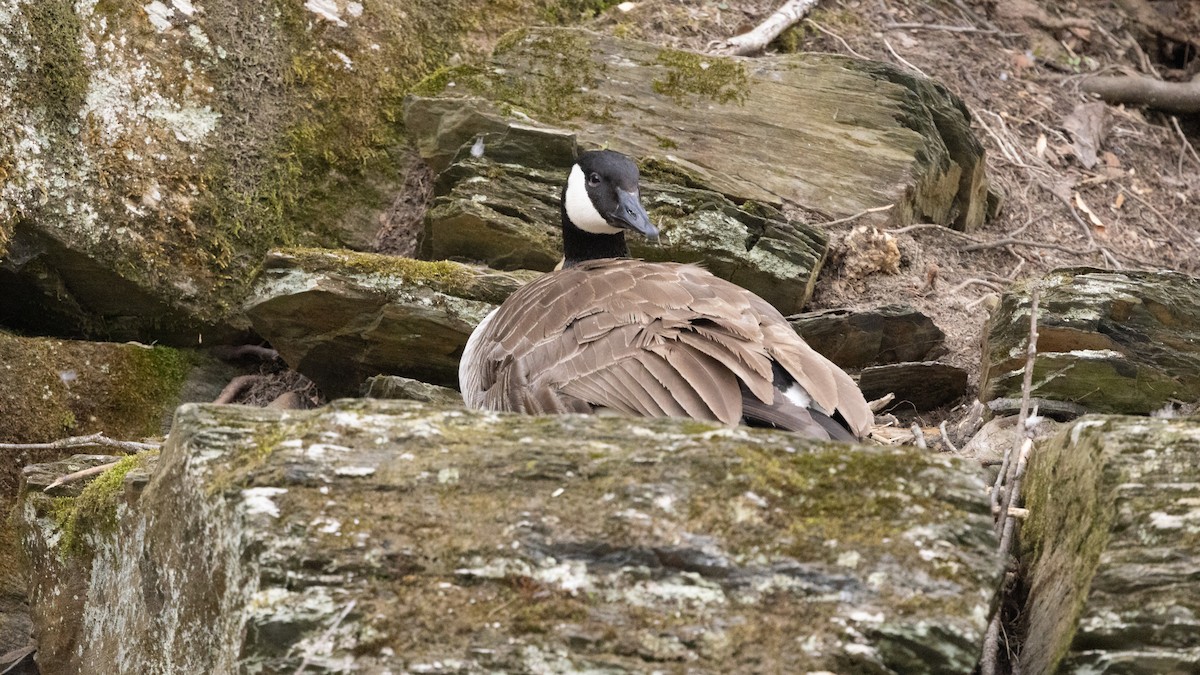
point(921, 386)
point(1119, 342)
point(373, 535)
point(834, 135)
point(1111, 547)
point(340, 317)
point(858, 338)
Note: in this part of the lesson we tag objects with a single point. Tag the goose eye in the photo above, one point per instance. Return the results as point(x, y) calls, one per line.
point(593, 179)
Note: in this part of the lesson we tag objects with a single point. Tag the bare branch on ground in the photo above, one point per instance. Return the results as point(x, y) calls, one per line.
point(82, 442)
point(757, 39)
point(1172, 97)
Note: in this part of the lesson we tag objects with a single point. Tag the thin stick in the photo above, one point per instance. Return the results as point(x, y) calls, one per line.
point(931, 226)
point(1187, 145)
point(79, 475)
point(757, 39)
point(901, 59)
point(919, 436)
point(946, 438)
point(975, 282)
point(80, 442)
point(1007, 515)
point(836, 37)
point(858, 215)
point(1009, 241)
point(948, 29)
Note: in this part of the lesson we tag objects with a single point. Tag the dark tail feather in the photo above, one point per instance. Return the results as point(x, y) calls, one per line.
point(783, 414)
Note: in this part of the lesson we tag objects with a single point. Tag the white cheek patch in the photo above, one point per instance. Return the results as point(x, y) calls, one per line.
point(580, 209)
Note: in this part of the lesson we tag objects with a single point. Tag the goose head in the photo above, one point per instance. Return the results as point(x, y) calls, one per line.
point(600, 203)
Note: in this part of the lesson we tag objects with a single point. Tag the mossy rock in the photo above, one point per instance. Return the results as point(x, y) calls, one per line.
point(1110, 548)
point(1119, 342)
point(831, 134)
point(152, 153)
point(340, 317)
point(498, 542)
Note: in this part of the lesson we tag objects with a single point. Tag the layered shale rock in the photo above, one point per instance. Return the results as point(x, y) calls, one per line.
point(376, 535)
point(341, 317)
point(1110, 548)
point(1122, 342)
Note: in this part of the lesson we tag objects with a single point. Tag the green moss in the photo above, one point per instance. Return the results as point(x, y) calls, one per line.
point(716, 78)
point(571, 11)
point(466, 79)
point(60, 75)
point(563, 71)
point(238, 470)
point(95, 509)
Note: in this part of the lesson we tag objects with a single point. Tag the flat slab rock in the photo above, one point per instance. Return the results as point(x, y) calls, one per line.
point(376, 535)
point(858, 338)
point(924, 385)
point(1117, 342)
point(340, 317)
point(1111, 544)
point(831, 134)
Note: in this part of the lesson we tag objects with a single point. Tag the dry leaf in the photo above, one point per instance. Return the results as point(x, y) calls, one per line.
point(1040, 148)
point(1086, 126)
point(1097, 224)
point(1119, 201)
point(1111, 160)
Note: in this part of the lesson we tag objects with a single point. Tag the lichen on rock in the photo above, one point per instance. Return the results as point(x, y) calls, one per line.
point(574, 540)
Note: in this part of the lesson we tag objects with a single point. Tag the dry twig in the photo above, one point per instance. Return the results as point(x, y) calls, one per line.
point(836, 37)
point(757, 39)
point(858, 215)
point(948, 29)
point(82, 442)
point(946, 438)
point(919, 436)
point(79, 475)
point(1012, 474)
point(903, 60)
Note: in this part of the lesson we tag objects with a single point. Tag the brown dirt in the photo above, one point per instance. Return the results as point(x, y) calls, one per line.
point(1019, 74)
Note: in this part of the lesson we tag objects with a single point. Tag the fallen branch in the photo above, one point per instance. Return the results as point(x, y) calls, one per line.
point(1172, 97)
point(79, 475)
point(757, 39)
point(82, 442)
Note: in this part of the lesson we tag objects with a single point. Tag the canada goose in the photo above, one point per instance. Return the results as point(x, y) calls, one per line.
point(649, 339)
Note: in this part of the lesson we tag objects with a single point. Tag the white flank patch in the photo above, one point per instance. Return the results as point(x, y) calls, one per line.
point(798, 396)
point(580, 208)
point(326, 9)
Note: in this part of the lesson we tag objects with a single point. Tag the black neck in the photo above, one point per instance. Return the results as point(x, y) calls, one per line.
point(581, 246)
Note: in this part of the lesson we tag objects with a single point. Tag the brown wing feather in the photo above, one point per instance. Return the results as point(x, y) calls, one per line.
point(658, 339)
